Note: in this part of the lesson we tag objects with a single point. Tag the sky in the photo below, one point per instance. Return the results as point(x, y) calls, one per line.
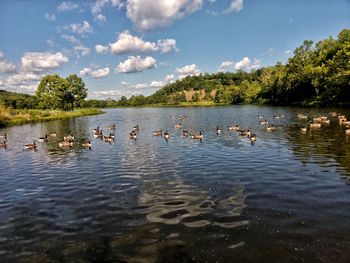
point(131, 47)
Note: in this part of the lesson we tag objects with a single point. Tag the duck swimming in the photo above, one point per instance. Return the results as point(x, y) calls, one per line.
point(87, 144)
point(197, 136)
point(158, 133)
point(166, 136)
point(53, 134)
point(233, 127)
point(3, 136)
point(43, 139)
point(218, 130)
point(66, 143)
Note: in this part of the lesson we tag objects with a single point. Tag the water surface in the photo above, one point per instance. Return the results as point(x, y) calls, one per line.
point(284, 199)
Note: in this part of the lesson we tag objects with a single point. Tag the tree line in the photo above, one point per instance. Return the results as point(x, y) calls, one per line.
point(316, 74)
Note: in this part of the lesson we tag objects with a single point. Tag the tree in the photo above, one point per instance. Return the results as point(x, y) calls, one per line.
point(55, 92)
point(77, 88)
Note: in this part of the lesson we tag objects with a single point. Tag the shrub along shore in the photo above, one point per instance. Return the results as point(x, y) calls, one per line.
point(11, 117)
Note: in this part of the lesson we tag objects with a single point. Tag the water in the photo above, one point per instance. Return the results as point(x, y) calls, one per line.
point(284, 199)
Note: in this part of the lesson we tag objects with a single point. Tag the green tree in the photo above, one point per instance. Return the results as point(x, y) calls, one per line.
point(77, 88)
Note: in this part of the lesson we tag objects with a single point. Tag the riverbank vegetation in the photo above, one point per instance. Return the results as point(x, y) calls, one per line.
point(10, 117)
point(316, 74)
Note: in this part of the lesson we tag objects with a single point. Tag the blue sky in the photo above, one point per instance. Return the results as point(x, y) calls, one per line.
point(126, 47)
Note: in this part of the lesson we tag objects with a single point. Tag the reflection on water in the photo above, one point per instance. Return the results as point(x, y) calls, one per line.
point(283, 199)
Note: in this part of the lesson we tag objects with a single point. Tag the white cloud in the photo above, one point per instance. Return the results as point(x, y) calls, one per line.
point(50, 17)
point(7, 67)
point(81, 50)
point(235, 6)
point(99, 73)
point(124, 83)
point(169, 78)
point(167, 45)
point(71, 39)
point(288, 52)
point(148, 15)
point(99, 5)
point(38, 62)
point(100, 19)
point(136, 64)
point(22, 78)
point(247, 65)
point(101, 49)
point(81, 29)
point(67, 6)
point(188, 70)
point(226, 65)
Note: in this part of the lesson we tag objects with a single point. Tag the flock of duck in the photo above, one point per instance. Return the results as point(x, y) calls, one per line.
point(68, 140)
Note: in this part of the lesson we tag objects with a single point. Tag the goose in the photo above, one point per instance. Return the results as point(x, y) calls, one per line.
point(264, 122)
point(244, 132)
point(97, 129)
point(43, 139)
point(197, 136)
point(184, 133)
point(136, 128)
point(30, 146)
point(166, 135)
point(3, 144)
point(53, 134)
point(112, 135)
point(3, 136)
point(69, 137)
point(271, 127)
point(259, 117)
point(325, 121)
point(66, 143)
point(317, 119)
point(303, 129)
point(275, 116)
point(315, 125)
point(233, 127)
point(158, 133)
point(133, 135)
point(107, 138)
point(98, 133)
point(87, 144)
point(252, 137)
point(178, 126)
point(218, 130)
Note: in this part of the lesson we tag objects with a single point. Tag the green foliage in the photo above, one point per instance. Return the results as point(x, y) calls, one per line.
point(55, 92)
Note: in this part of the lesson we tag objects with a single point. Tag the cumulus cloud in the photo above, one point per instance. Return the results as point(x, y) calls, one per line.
point(81, 50)
point(81, 29)
point(148, 15)
point(50, 17)
point(99, 5)
point(235, 6)
point(127, 43)
point(136, 64)
point(71, 39)
point(101, 49)
point(7, 67)
point(99, 73)
point(42, 61)
point(247, 65)
point(22, 78)
point(67, 6)
point(188, 70)
point(226, 65)
point(169, 78)
point(288, 52)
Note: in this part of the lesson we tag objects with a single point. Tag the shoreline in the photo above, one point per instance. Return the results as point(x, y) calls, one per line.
point(14, 117)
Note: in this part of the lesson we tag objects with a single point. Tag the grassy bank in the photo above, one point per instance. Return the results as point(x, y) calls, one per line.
point(10, 117)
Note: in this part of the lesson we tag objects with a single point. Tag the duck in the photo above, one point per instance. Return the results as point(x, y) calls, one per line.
point(66, 143)
point(264, 122)
point(112, 135)
point(317, 119)
point(197, 136)
point(87, 144)
point(271, 127)
point(97, 129)
point(3, 144)
point(43, 139)
point(158, 133)
point(136, 128)
point(166, 135)
point(218, 130)
point(303, 129)
point(98, 133)
point(3, 136)
point(177, 126)
point(233, 127)
point(30, 146)
point(53, 134)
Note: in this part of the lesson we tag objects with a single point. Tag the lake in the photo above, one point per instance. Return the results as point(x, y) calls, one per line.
point(285, 198)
